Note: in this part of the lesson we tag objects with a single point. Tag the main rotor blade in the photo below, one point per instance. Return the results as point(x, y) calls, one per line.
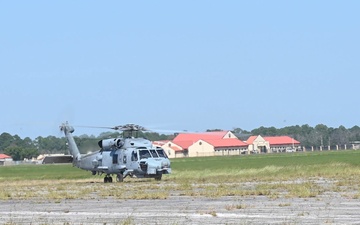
point(96, 127)
point(126, 127)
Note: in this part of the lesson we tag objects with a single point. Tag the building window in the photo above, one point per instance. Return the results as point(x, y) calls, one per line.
point(200, 143)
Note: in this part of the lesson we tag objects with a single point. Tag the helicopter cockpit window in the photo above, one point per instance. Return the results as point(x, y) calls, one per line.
point(153, 153)
point(161, 153)
point(144, 154)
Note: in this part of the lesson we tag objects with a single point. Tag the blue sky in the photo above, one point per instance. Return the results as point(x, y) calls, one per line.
point(169, 65)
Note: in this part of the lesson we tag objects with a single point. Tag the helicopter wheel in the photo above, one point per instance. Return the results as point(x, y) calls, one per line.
point(108, 179)
point(158, 177)
point(120, 178)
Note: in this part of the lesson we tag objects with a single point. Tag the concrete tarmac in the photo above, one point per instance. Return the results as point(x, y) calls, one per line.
point(330, 208)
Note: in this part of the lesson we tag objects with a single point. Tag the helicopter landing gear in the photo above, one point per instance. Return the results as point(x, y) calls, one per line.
point(119, 177)
point(108, 179)
point(158, 177)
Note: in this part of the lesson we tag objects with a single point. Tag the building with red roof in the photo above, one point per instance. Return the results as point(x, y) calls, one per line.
point(203, 144)
point(172, 150)
point(281, 140)
point(272, 144)
point(204, 136)
point(224, 143)
point(258, 144)
point(283, 143)
point(227, 146)
point(4, 159)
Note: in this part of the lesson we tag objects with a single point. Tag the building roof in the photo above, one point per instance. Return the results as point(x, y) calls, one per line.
point(251, 139)
point(197, 136)
point(217, 139)
point(281, 140)
point(228, 142)
point(176, 148)
point(160, 143)
point(169, 144)
point(184, 144)
point(3, 156)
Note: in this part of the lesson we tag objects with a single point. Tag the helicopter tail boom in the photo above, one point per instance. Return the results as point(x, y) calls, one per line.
point(74, 151)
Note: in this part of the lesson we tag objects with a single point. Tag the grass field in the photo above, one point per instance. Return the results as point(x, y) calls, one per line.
point(302, 174)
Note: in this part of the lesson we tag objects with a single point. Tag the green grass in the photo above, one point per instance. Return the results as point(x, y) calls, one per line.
point(270, 164)
point(301, 175)
point(42, 172)
point(264, 160)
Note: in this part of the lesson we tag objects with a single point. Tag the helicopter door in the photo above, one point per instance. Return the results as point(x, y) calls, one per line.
point(134, 159)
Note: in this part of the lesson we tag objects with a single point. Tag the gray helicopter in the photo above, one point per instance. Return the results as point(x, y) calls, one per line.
point(125, 156)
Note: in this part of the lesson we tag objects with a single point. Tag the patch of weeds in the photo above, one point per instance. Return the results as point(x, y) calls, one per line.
point(303, 214)
point(241, 206)
point(291, 189)
point(329, 221)
point(171, 187)
point(9, 223)
point(229, 207)
point(261, 192)
point(235, 206)
point(273, 195)
point(184, 186)
point(213, 213)
point(304, 190)
point(284, 204)
point(356, 196)
point(60, 188)
point(191, 193)
point(61, 195)
point(128, 221)
point(148, 195)
point(5, 195)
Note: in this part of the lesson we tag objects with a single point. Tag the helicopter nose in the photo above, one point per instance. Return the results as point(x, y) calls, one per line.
point(153, 166)
point(165, 164)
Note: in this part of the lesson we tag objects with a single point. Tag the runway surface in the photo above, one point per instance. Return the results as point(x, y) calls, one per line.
point(330, 208)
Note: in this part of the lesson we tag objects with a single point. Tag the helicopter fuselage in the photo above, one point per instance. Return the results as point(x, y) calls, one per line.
point(134, 157)
point(142, 161)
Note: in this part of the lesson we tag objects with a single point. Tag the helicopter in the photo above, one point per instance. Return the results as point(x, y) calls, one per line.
point(127, 155)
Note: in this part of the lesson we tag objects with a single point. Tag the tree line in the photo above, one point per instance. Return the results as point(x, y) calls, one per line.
point(308, 136)
point(19, 149)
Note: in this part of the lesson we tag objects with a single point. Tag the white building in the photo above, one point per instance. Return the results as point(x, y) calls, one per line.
point(5, 160)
